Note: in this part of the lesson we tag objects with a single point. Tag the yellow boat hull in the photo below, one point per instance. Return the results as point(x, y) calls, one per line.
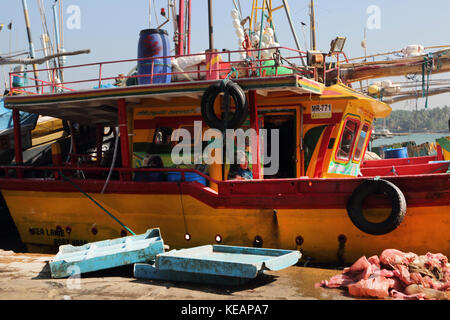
point(50, 219)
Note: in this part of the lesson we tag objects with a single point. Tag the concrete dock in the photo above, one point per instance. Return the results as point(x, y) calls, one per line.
point(25, 276)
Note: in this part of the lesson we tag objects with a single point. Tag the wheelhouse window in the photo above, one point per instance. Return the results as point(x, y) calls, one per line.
point(361, 142)
point(347, 140)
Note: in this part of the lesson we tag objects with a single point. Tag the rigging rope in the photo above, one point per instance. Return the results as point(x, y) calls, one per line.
point(116, 143)
point(94, 201)
point(182, 209)
point(427, 67)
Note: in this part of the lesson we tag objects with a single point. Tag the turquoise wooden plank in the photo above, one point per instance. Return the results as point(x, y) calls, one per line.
point(209, 266)
point(211, 263)
point(106, 254)
point(149, 272)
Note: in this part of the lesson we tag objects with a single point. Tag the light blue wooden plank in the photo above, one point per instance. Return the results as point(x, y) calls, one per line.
point(147, 271)
point(284, 261)
point(106, 254)
point(250, 250)
point(226, 260)
point(238, 258)
point(198, 265)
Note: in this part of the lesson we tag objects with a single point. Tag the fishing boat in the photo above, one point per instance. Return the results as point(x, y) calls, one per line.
point(38, 132)
point(384, 132)
point(322, 200)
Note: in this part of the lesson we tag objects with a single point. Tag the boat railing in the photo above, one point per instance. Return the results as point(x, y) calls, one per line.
point(99, 176)
point(97, 75)
point(89, 172)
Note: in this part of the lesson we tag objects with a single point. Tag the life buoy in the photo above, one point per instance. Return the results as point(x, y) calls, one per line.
point(380, 186)
point(240, 101)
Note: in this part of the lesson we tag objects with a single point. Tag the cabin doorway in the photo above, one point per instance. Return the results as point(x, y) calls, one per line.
point(285, 124)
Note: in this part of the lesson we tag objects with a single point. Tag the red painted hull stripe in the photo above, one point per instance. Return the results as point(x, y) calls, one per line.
point(287, 194)
point(397, 162)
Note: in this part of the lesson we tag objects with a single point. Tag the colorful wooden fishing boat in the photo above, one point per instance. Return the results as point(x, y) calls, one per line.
point(322, 200)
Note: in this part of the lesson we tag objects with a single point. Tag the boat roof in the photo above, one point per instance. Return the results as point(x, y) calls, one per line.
point(99, 106)
point(339, 91)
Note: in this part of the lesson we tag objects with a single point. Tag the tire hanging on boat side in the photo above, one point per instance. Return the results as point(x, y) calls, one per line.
point(239, 98)
point(380, 186)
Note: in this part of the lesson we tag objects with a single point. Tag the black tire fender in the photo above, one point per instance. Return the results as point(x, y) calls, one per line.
point(377, 186)
point(240, 100)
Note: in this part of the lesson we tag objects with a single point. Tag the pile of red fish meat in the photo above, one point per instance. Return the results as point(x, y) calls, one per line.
point(396, 275)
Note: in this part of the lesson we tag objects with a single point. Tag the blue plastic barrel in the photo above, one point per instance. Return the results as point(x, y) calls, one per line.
point(154, 43)
point(396, 153)
point(18, 82)
point(19, 77)
point(189, 176)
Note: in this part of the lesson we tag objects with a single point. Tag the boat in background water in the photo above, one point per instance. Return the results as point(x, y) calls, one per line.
point(37, 132)
point(382, 133)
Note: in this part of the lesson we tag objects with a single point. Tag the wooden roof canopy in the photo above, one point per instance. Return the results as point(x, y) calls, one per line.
point(99, 106)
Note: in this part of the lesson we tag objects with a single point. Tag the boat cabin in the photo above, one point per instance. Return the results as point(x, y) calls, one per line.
point(321, 131)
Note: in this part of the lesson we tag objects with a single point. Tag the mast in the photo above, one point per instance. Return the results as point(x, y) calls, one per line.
point(46, 43)
point(181, 14)
point(288, 14)
point(58, 44)
point(189, 27)
point(30, 42)
point(210, 22)
point(149, 13)
point(313, 27)
point(45, 46)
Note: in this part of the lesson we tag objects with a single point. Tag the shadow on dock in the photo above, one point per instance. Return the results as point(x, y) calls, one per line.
point(259, 281)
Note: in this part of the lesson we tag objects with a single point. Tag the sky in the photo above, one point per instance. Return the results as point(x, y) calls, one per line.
point(110, 28)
